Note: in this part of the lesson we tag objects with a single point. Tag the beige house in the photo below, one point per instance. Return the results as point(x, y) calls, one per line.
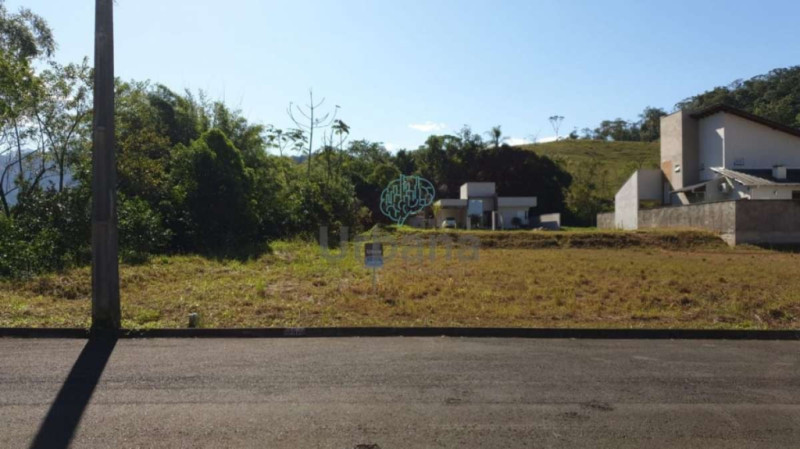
point(479, 207)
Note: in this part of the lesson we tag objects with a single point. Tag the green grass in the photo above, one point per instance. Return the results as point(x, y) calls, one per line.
point(629, 287)
point(617, 159)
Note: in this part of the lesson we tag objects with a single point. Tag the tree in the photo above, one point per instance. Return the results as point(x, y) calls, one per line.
point(619, 130)
point(342, 131)
point(650, 124)
point(309, 120)
point(496, 136)
point(285, 139)
point(25, 35)
point(211, 183)
point(63, 112)
point(574, 134)
point(24, 38)
point(555, 122)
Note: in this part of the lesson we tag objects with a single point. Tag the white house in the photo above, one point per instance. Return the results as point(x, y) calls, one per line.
point(478, 206)
point(723, 153)
point(719, 154)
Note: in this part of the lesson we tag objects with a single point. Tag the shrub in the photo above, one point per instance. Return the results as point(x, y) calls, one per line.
point(141, 232)
point(215, 190)
point(47, 231)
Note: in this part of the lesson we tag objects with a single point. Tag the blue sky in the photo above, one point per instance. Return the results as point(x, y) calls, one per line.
point(403, 69)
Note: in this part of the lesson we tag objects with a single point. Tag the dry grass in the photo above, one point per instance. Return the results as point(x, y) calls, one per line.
point(674, 239)
point(575, 287)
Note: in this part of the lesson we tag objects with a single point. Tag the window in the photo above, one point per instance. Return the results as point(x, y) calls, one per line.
point(796, 195)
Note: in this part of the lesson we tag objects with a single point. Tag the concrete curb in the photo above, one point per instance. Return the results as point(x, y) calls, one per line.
point(328, 332)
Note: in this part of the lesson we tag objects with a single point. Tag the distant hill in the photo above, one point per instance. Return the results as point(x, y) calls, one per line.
point(609, 163)
point(49, 180)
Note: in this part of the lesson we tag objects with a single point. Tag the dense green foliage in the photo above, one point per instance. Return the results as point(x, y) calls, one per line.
point(775, 96)
point(646, 129)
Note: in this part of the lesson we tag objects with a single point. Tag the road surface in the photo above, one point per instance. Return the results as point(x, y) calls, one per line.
point(390, 393)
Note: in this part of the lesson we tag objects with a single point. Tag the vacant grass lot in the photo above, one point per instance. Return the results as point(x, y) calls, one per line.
point(702, 287)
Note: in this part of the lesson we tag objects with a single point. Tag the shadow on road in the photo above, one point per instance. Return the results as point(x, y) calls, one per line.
point(58, 427)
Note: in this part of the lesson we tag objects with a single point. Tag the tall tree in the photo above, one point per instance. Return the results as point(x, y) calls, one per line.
point(496, 136)
point(310, 119)
point(63, 112)
point(650, 124)
point(555, 122)
point(24, 38)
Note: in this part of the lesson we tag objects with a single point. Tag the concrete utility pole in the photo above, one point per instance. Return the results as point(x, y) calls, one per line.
point(105, 265)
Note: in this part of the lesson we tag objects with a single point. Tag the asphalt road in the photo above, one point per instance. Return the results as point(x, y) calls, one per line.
point(400, 393)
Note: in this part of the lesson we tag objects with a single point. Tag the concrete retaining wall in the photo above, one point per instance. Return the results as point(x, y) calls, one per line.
point(718, 217)
point(605, 220)
point(768, 222)
point(746, 221)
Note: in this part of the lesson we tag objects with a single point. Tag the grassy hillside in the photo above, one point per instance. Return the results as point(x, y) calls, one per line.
point(611, 163)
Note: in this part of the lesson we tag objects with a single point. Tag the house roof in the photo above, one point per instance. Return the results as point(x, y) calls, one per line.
point(750, 180)
point(745, 115)
point(451, 202)
point(691, 188)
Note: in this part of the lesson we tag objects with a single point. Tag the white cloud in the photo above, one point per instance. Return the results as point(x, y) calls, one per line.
point(514, 141)
point(390, 147)
point(428, 126)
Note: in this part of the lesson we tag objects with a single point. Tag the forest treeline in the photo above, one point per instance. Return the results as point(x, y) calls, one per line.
point(775, 95)
point(195, 176)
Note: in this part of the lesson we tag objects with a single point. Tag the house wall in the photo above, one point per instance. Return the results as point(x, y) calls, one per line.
point(642, 185)
point(550, 221)
point(679, 149)
point(477, 189)
point(626, 204)
point(517, 201)
point(772, 192)
point(711, 133)
point(508, 214)
point(757, 145)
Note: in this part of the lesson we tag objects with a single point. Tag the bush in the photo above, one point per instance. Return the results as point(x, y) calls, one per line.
point(47, 231)
point(141, 232)
point(214, 193)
